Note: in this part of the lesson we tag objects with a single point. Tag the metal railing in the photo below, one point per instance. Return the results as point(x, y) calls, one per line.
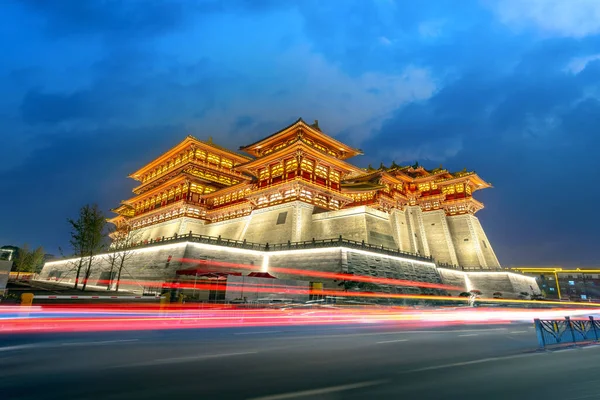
point(243, 244)
point(567, 331)
point(341, 242)
point(461, 268)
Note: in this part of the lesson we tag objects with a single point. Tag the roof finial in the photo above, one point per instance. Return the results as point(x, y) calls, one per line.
point(210, 139)
point(316, 124)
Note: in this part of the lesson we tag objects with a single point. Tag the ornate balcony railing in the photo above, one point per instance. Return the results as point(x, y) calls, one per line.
point(266, 247)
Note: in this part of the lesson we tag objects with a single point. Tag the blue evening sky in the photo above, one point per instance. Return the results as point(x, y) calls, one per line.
point(92, 89)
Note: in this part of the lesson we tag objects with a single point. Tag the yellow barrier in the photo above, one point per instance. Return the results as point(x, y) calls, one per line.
point(165, 300)
point(27, 299)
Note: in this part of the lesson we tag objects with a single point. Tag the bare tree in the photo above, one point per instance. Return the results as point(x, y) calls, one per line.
point(87, 238)
point(77, 241)
point(123, 241)
point(113, 259)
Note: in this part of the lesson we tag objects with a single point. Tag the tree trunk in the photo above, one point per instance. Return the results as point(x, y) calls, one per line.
point(78, 272)
point(112, 265)
point(119, 273)
point(87, 273)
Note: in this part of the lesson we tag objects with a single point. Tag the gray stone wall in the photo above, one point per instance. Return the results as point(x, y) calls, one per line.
point(522, 283)
point(155, 263)
point(194, 225)
point(325, 260)
point(491, 261)
point(350, 224)
point(166, 229)
point(454, 278)
point(400, 230)
point(272, 224)
point(417, 230)
point(466, 252)
point(508, 283)
point(302, 222)
point(376, 265)
point(231, 229)
point(458, 240)
point(438, 237)
point(160, 263)
point(215, 258)
point(488, 283)
point(379, 229)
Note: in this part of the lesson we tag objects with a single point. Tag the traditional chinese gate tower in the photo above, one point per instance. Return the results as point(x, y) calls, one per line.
point(297, 185)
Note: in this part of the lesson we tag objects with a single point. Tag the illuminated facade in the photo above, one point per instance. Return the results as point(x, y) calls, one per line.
point(296, 185)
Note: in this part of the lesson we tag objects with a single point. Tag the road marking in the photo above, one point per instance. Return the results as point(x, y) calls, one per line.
point(591, 346)
point(519, 332)
point(316, 392)
point(18, 347)
point(98, 343)
point(459, 364)
point(393, 341)
point(587, 396)
point(388, 333)
point(563, 350)
point(175, 360)
point(255, 333)
point(50, 345)
point(469, 334)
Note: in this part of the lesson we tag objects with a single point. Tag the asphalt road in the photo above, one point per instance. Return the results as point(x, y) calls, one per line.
point(335, 362)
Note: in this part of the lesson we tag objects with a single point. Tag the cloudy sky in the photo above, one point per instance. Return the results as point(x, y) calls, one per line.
point(91, 90)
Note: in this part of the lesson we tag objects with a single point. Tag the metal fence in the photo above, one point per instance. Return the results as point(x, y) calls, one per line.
point(567, 331)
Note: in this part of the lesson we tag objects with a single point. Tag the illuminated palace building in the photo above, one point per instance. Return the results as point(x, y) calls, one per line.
point(297, 185)
point(294, 201)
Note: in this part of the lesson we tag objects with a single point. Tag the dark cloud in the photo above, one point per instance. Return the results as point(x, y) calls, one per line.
point(134, 19)
point(125, 91)
point(43, 108)
point(110, 17)
point(242, 122)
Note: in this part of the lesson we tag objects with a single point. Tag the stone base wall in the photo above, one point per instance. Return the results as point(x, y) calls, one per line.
point(510, 284)
point(161, 261)
point(156, 263)
point(456, 279)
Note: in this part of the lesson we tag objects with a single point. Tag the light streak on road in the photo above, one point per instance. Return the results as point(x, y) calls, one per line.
point(283, 289)
point(80, 319)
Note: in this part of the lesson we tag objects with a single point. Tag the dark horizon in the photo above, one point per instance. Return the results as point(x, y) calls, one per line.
point(95, 91)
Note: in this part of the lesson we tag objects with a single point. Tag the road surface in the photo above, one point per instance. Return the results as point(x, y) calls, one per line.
point(325, 362)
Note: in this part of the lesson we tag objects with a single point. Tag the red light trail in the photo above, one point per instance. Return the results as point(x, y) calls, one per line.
point(325, 275)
